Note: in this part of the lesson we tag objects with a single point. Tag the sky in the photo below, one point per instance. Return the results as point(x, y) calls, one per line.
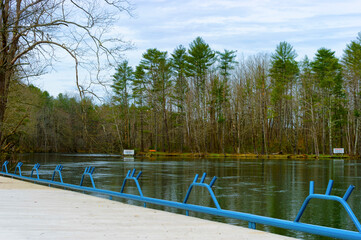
point(249, 27)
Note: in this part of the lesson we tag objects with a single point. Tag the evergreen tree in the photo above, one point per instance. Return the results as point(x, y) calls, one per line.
point(139, 95)
point(200, 58)
point(328, 75)
point(226, 62)
point(157, 71)
point(283, 72)
point(179, 67)
point(226, 65)
point(121, 82)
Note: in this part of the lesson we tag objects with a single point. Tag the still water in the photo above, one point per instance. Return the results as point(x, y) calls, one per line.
point(267, 187)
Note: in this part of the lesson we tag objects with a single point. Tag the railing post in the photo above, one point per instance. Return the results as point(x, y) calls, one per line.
point(88, 171)
point(252, 225)
point(58, 170)
point(5, 167)
point(130, 176)
point(18, 167)
point(202, 184)
point(328, 196)
point(35, 168)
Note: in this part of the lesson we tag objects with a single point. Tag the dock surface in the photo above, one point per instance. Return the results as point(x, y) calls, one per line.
point(32, 211)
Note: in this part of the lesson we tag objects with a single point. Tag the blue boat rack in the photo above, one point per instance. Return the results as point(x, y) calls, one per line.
point(252, 219)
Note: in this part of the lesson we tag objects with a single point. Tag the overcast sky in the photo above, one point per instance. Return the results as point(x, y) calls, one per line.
point(249, 27)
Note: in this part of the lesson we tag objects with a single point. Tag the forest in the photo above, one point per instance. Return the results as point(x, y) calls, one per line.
point(198, 100)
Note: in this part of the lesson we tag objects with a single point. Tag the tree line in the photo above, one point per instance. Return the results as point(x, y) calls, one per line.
point(199, 100)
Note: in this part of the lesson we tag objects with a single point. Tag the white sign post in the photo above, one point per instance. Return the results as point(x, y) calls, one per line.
point(128, 152)
point(338, 150)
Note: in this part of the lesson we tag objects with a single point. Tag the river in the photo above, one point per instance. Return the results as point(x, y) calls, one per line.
point(267, 187)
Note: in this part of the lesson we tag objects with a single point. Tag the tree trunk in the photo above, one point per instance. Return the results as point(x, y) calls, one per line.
point(5, 77)
point(141, 131)
point(314, 133)
point(330, 129)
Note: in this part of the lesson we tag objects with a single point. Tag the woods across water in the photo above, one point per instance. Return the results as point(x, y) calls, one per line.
point(199, 100)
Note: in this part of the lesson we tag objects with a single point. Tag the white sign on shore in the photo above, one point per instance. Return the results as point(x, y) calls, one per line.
point(128, 152)
point(339, 150)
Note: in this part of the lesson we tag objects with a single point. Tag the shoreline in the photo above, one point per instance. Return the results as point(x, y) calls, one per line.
point(153, 154)
point(244, 156)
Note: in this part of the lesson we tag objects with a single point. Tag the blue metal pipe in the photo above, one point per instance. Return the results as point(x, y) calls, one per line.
point(202, 184)
point(88, 172)
point(329, 187)
point(333, 198)
point(18, 166)
point(140, 173)
point(213, 181)
point(58, 169)
point(35, 168)
point(348, 192)
point(210, 192)
point(5, 167)
point(312, 187)
point(188, 193)
point(203, 177)
point(135, 179)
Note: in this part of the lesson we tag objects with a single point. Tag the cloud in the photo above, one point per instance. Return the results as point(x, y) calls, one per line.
point(246, 26)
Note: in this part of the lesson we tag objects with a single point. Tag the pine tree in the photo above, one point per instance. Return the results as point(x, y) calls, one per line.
point(121, 82)
point(139, 95)
point(179, 67)
point(226, 65)
point(329, 77)
point(200, 58)
point(157, 72)
point(283, 72)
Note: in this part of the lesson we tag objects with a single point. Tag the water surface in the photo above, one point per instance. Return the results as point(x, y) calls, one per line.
point(267, 187)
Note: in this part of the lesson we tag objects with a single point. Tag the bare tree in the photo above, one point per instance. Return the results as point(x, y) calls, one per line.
point(33, 31)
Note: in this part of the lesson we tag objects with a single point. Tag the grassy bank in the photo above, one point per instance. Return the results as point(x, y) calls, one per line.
point(245, 156)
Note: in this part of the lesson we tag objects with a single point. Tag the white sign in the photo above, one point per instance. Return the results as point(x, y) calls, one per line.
point(339, 150)
point(128, 152)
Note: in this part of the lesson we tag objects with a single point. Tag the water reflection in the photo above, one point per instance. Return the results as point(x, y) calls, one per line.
point(273, 188)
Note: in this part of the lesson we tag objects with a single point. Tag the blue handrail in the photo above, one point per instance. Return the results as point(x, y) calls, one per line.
point(35, 168)
point(88, 172)
point(18, 167)
point(327, 196)
point(251, 218)
point(204, 185)
point(5, 167)
point(58, 170)
point(130, 176)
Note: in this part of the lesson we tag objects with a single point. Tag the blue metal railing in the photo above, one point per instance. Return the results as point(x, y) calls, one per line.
point(35, 168)
point(88, 172)
point(58, 170)
point(252, 219)
point(327, 196)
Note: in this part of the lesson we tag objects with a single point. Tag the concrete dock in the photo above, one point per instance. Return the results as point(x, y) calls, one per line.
point(31, 211)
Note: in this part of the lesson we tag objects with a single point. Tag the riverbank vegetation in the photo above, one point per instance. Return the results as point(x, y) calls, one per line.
point(198, 100)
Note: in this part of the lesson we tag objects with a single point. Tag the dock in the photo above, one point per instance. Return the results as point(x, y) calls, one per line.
point(33, 211)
